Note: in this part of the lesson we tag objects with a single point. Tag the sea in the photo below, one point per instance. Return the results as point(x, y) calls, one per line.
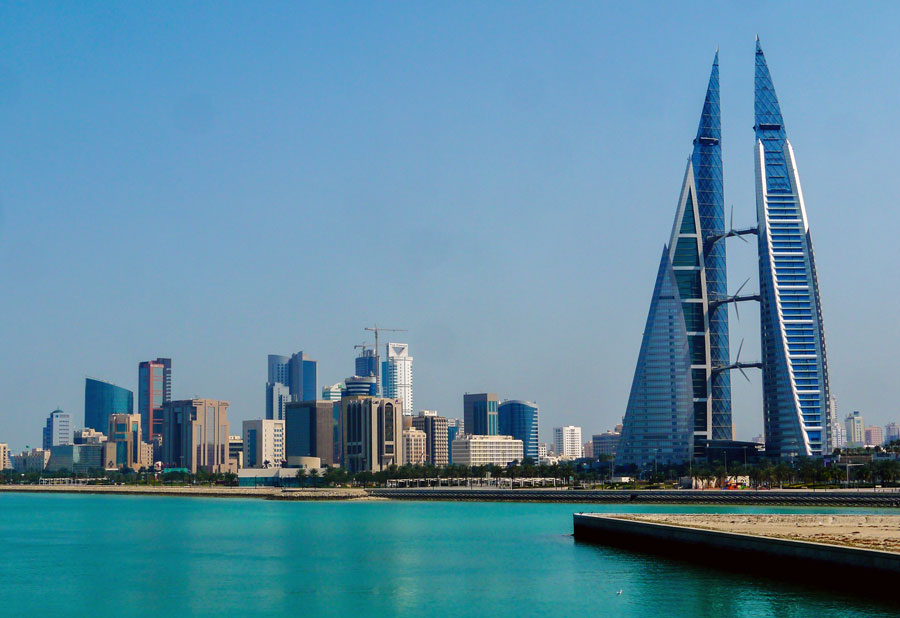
point(160, 556)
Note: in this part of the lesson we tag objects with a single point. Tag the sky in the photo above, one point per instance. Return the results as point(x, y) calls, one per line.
point(215, 182)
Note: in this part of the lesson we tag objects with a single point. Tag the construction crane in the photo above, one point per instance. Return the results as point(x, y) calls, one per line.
point(377, 329)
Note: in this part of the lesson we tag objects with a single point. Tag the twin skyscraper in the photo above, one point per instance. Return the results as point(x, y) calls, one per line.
point(680, 400)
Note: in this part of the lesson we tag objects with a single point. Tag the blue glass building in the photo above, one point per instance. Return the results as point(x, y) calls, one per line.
point(519, 419)
point(795, 368)
point(480, 414)
point(102, 399)
point(367, 363)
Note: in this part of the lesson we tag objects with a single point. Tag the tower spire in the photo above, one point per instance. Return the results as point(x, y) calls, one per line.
point(710, 127)
point(767, 110)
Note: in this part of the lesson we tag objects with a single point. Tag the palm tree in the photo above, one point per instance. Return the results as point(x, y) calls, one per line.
point(314, 474)
point(301, 476)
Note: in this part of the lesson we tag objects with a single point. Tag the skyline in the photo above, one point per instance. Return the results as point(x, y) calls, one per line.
point(502, 198)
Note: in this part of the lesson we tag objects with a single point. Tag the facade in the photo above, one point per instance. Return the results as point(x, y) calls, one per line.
point(587, 449)
point(88, 436)
point(126, 443)
point(519, 419)
point(296, 373)
point(795, 368)
point(891, 433)
point(58, 430)
point(277, 397)
point(309, 428)
point(5, 461)
point(397, 375)
point(236, 450)
point(332, 392)
point(78, 458)
point(263, 443)
point(480, 414)
point(567, 441)
point(437, 444)
point(874, 436)
point(838, 437)
point(33, 461)
point(360, 386)
point(372, 433)
point(854, 428)
point(605, 444)
point(455, 428)
point(481, 450)
point(195, 435)
point(414, 446)
point(154, 389)
point(102, 399)
point(367, 363)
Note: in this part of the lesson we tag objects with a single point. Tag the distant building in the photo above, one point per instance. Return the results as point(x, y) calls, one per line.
point(480, 450)
point(567, 441)
point(838, 434)
point(542, 451)
point(437, 446)
point(77, 458)
point(455, 428)
point(360, 386)
point(367, 363)
point(236, 450)
point(587, 449)
point(58, 430)
point(397, 375)
point(89, 436)
point(519, 419)
point(297, 372)
point(480, 413)
point(855, 429)
point(5, 462)
point(332, 392)
point(309, 431)
point(263, 443)
point(102, 399)
point(154, 389)
point(195, 435)
point(277, 397)
point(414, 446)
point(127, 446)
point(891, 432)
point(605, 444)
point(372, 433)
point(33, 461)
point(874, 436)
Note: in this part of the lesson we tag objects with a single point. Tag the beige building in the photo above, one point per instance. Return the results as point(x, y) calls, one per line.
point(34, 461)
point(372, 429)
point(195, 435)
point(5, 463)
point(125, 447)
point(435, 427)
point(414, 441)
point(236, 450)
point(263, 443)
point(472, 450)
point(89, 436)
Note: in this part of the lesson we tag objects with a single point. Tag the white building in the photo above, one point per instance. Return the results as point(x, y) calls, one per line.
point(542, 451)
point(59, 429)
point(398, 375)
point(263, 442)
point(414, 446)
point(838, 435)
point(567, 441)
point(5, 463)
point(471, 450)
point(333, 392)
point(856, 429)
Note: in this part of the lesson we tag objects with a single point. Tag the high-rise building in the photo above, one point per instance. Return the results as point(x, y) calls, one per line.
point(891, 433)
point(605, 444)
point(298, 373)
point(58, 430)
point(480, 450)
point(372, 433)
point(367, 363)
point(854, 427)
point(567, 441)
point(436, 437)
point(680, 398)
point(309, 431)
point(397, 375)
point(455, 428)
point(5, 462)
point(332, 392)
point(795, 368)
point(126, 438)
point(360, 386)
point(195, 435)
point(480, 414)
point(154, 389)
point(263, 443)
point(838, 438)
point(519, 419)
point(414, 446)
point(102, 399)
point(874, 436)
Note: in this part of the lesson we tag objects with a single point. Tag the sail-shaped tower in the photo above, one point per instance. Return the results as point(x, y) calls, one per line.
point(795, 367)
point(694, 261)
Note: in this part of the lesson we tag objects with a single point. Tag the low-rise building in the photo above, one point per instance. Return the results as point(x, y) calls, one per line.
point(236, 451)
point(89, 436)
point(414, 441)
point(605, 444)
point(77, 458)
point(33, 461)
point(480, 450)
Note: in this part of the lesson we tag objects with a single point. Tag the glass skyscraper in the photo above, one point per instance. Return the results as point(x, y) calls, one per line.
point(795, 368)
point(101, 400)
point(519, 419)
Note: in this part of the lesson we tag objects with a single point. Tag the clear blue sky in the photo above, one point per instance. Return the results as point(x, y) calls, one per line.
point(219, 181)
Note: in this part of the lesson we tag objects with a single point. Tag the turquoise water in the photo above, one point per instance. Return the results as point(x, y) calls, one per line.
point(67, 555)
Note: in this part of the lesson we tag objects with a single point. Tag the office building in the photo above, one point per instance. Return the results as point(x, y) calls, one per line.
point(367, 363)
point(587, 449)
point(195, 435)
point(414, 446)
point(309, 431)
point(480, 414)
point(795, 368)
point(30, 461)
point(5, 461)
point(58, 430)
point(89, 436)
point(838, 437)
point(102, 400)
point(481, 450)
point(154, 389)
point(874, 436)
point(437, 444)
point(854, 427)
point(891, 433)
point(333, 392)
point(236, 450)
point(397, 375)
point(277, 397)
point(77, 458)
point(455, 428)
point(519, 419)
point(297, 373)
point(360, 386)
point(567, 441)
point(126, 448)
point(264, 443)
point(372, 433)
point(605, 444)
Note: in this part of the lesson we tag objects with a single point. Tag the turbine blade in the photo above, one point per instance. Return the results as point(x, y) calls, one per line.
point(744, 373)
